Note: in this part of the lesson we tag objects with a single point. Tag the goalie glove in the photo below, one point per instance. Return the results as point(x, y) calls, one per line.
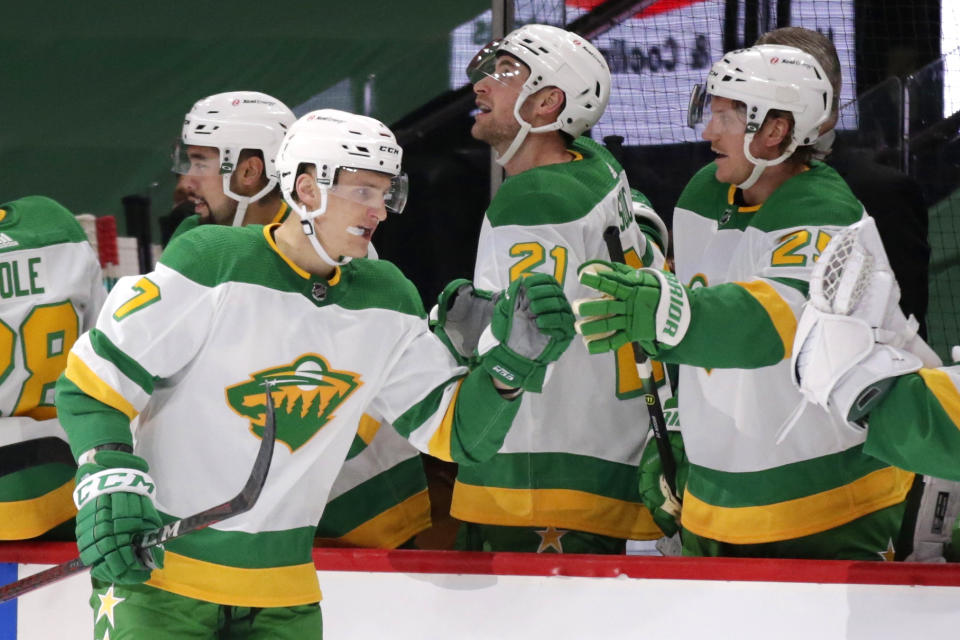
point(114, 499)
point(531, 326)
point(647, 306)
point(852, 340)
point(461, 314)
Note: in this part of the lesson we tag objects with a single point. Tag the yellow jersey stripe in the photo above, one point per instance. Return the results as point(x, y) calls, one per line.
point(561, 508)
point(439, 446)
point(799, 517)
point(24, 519)
point(784, 321)
point(271, 587)
point(390, 529)
point(91, 384)
point(367, 429)
point(944, 391)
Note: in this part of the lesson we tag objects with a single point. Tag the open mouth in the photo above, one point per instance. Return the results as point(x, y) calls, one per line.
point(362, 232)
point(483, 109)
point(200, 206)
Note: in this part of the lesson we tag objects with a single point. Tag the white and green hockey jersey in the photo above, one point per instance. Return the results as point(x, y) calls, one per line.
point(752, 479)
point(188, 347)
point(917, 424)
point(51, 289)
point(570, 460)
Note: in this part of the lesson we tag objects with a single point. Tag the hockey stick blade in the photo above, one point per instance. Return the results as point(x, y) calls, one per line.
point(611, 236)
point(242, 502)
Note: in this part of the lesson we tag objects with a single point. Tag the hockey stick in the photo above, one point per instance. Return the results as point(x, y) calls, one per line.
point(240, 503)
point(611, 236)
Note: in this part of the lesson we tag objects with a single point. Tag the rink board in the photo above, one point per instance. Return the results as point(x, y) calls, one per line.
point(445, 595)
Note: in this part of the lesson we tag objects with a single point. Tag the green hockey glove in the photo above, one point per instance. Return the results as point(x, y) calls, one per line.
point(114, 498)
point(647, 306)
point(461, 314)
point(654, 491)
point(532, 325)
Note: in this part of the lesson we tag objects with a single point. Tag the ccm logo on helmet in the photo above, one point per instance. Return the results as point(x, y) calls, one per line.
point(392, 150)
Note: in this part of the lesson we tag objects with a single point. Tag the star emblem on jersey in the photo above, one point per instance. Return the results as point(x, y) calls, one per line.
point(888, 553)
point(550, 539)
point(306, 393)
point(725, 218)
point(108, 602)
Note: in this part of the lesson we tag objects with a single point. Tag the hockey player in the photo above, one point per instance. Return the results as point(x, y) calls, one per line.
point(51, 289)
point(226, 158)
point(565, 479)
point(764, 480)
point(188, 348)
point(226, 155)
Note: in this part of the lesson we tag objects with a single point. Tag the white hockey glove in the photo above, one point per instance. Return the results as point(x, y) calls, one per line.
point(853, 340)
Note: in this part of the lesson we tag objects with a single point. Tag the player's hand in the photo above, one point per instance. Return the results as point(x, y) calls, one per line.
point(647, 306)
point(115, 505)
point(654, 491)
point(532, 325)
point(461, 314)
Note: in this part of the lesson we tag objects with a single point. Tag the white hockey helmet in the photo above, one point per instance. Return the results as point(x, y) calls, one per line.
point(231, 122)
point(332, 140)
point(765, 77)
point(556, 58)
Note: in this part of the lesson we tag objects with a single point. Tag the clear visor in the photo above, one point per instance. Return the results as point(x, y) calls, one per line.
point(487, 64)
point(731, 118)
point(393, 198)
point(190, 160)
point(699, 100)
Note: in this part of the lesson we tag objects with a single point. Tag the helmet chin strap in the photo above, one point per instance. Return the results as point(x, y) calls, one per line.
point(759, 165)
point(525, 128)
point(243, 201)
point(306, 224)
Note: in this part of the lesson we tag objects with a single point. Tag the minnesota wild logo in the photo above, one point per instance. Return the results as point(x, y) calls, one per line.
point(305, 395)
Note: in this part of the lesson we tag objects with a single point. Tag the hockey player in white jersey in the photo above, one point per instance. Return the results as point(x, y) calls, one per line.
point(765, 478)
point(565, 480)
point(188, 348)
point(51, 289)
point(226, 157)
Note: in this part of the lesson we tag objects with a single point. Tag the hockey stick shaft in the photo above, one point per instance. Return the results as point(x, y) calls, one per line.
point(611, 236)
point(240, 503)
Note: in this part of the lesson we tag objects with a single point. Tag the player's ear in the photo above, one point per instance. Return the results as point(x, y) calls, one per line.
point(251, 170)
point(307, 191)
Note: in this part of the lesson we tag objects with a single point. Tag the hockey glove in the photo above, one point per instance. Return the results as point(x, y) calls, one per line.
point(633, 308)
point(532, 325)
point(461, 314)
point(114, 498)
point(654, 491)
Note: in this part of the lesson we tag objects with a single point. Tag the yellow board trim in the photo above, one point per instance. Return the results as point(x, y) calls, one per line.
point(799, 517)
point(367, 429)
point(272, 587)
point(784, 321)
point(943, 389)
point(389, 529)
point(439, 446)
point(561, 508)
point(24, 519)
point(90, 383)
